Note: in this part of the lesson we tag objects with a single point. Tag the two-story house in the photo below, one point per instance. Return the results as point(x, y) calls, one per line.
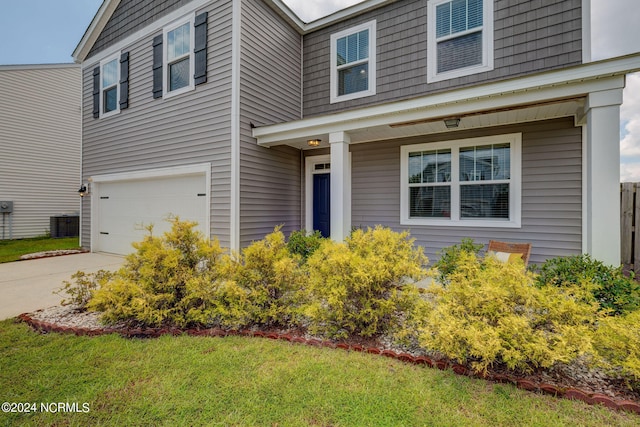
point(449, 118)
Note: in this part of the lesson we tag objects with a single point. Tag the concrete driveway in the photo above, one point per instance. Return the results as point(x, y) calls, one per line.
point(27, 286)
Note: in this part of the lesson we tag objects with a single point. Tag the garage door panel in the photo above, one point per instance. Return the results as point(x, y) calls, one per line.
point(125, 208)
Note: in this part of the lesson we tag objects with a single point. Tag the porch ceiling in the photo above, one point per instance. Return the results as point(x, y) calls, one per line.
point(468, 120)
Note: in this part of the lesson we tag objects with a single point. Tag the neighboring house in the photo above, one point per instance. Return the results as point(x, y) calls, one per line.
point(450, 118)
point(40, 134)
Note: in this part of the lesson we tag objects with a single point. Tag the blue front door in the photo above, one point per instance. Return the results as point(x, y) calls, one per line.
point(321, 206)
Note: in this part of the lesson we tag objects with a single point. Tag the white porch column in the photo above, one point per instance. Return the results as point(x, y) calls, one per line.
point(602, 234)
point(340, 186)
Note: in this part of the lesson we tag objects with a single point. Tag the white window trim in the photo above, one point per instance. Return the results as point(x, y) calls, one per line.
point(334, 97)
point(432, 47)
point(515, 184)
point(115, 57)
point(165, 57)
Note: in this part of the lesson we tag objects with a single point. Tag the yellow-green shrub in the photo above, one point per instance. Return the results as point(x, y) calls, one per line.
point(491, 312)
point(152, 284)
point(272, 278)
point(617, 344)
point(354, 287)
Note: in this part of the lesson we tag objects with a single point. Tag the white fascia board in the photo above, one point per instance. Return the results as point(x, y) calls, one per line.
point(18, 67)
point(574, 81)
point(95, 28)
point(343, 14)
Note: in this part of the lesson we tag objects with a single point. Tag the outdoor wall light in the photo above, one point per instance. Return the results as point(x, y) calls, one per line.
point(452, 123)
point(83, 191)
point(314, 142)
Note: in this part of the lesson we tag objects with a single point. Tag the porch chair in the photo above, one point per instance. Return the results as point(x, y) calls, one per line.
point(505, 251)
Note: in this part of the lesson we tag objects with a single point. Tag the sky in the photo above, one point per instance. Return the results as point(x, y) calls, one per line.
point(48, 31)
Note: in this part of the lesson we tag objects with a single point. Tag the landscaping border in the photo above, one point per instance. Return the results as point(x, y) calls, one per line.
point(525, 384)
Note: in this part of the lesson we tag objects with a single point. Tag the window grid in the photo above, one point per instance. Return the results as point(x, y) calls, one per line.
point(109, 76)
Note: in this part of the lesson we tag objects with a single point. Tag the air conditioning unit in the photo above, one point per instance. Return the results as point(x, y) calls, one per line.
point(64, 226)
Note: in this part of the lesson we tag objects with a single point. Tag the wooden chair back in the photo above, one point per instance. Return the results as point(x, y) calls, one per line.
point(513, 248)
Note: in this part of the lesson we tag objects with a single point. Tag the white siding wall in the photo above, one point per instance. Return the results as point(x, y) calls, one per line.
point(40, 134)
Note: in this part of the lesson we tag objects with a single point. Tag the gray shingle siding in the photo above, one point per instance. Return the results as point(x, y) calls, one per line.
point(551, 190)
point(131, 16)
point(529, 36)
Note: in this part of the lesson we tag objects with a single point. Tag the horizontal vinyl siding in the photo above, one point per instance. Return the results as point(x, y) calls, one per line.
point(191, 128)
point(270, 92)
point(39, 146)
point(529, 36)
point(551, 190)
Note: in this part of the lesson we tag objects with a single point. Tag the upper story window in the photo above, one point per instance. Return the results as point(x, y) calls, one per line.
point(353, 63)
point(109, 85)
point(180, 56)
point(460, 38)
point(472, 182)
point(178, 64)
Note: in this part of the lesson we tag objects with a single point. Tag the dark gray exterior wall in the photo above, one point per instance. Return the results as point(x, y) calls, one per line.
point(131, 16)
point(551, 190)
point(187, 129)
point(529, 36)
point(270, 92)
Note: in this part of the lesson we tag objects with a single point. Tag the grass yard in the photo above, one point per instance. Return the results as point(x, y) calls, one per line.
point(255, 382)
point(11, 250)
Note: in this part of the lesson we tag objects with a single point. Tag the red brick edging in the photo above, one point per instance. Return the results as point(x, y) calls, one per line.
point(550, 389)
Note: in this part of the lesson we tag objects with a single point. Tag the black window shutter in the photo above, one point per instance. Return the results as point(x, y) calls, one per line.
point(124, 80)
point(200, 49)
point(96, 92)
point(157, 66)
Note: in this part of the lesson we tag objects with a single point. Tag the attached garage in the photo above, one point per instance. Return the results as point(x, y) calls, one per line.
point(123, 205)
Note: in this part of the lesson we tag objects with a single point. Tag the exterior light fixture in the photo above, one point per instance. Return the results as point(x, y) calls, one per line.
point(314, 142)
point(83, 190)
point(452, 123)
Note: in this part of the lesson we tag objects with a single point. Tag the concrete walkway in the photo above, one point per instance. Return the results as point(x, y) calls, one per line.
point(27, 286)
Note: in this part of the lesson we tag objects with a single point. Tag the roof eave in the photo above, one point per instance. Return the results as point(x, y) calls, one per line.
point(94, 29)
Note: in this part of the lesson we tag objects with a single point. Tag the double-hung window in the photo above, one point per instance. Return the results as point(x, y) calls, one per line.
point(471, 182)
point(353, 63)
point(109, 90)
point(179, 58)
point(460, 38)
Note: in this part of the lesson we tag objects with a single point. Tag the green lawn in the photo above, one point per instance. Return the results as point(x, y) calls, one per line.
point(11, 250)
point(255, 382)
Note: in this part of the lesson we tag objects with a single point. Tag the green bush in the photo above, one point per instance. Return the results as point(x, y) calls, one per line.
point(355, 288)
point(617, 344)
point(272, 278)
point(304, 244)
point(152, 284)
point(490, 312)
point(449, 257)
point(81, 289)
point(615, 292)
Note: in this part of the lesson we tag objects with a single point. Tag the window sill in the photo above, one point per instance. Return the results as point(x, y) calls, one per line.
point(462, 223)
point(178, 92)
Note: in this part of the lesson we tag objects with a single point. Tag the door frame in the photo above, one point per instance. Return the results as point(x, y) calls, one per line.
point(310, 170)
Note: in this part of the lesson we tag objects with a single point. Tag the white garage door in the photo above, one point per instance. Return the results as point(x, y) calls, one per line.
point(125, 208)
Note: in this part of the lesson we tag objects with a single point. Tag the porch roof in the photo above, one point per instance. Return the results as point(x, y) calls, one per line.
point(540, 96)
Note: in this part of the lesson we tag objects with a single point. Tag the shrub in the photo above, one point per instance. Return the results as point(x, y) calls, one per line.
point(81, 289)
point(449, 257)
point(615, 292)
point(617, 344)
point(355, 287)
point(304, 244)
point(152, 284)
point(491, 312)
point(272, 278)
